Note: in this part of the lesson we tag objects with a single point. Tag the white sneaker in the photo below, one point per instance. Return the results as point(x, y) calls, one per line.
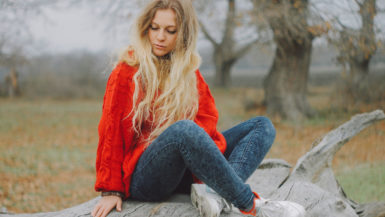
point(272, 208)
point(207, 201)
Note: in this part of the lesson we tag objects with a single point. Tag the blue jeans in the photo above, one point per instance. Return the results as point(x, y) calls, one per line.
point(165, 165)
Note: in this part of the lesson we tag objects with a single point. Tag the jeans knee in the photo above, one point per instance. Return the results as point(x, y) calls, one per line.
point(183, 125)
point(190, 133)
point(269, 127)
point(185, 128)
point(266, 127)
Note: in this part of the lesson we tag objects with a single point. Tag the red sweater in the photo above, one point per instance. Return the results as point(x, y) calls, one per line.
point(117, 153)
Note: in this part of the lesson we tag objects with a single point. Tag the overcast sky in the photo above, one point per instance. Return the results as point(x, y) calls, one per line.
point(77, 28)
point(72, 28)
point(64, 30)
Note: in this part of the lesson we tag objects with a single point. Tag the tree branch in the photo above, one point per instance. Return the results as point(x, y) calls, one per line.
point(242, 51)
point(358, 3)
point(229, 23)
point(207, 35)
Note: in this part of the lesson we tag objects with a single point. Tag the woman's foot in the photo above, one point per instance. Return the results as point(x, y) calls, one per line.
point(207, 201)
point(271, 208)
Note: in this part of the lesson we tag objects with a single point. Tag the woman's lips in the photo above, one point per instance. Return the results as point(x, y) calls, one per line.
point(157, 46)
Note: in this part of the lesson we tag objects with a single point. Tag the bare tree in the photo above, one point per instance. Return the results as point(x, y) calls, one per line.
point(356, 48)
point(286, 84)
point(14, 28)
point(228, 50)
point(11, 40)
point(115, 16)
point(16, 40)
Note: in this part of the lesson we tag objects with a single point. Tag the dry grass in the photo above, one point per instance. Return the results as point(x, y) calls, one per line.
point(48, 147)
point(48, 154)
point(295, 139)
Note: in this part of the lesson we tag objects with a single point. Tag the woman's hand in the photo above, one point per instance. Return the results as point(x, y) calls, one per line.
point(106, 204)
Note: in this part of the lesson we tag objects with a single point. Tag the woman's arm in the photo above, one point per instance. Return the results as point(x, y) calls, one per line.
point(111, 146)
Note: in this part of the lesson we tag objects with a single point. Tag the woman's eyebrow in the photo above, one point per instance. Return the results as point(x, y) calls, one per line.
point(166, 26)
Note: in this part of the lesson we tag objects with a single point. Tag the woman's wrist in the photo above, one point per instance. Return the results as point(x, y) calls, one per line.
point(113, 193)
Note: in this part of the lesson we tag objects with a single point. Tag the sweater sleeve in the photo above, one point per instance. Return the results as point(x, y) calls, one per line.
point(112, 144)
point(207, 116)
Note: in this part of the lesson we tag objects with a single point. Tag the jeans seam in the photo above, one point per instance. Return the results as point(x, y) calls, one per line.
point(249, 141)
point(198, 169)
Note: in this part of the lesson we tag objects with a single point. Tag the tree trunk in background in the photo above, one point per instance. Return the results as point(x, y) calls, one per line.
point(223, 54)
point(12, 83)
point(359, 69)
point(356, 85)
point(357, 48)
point(223, 65)
point(359, 66)
point(286, 84)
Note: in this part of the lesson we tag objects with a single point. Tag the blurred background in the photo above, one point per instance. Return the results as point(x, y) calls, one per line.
point(309, 65)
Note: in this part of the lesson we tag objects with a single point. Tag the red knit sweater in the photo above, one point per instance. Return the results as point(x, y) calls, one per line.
point(117, 153)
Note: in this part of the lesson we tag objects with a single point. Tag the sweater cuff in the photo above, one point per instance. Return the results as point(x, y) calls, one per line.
point(113, 193)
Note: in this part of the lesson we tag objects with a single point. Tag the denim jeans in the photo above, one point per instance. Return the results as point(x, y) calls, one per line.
point(185, 148)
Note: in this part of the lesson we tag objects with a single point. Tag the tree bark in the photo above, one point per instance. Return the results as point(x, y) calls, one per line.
point(359, 65)
point(12, 83)
point(357, 84)
point(223, 65)
point(357, 48)
point(286, 84)
point(311, 183)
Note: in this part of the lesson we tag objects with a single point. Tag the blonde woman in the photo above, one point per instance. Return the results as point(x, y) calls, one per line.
point(157, 133)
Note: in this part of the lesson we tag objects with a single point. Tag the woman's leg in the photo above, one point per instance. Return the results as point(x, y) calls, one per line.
point(247, 145)
point(185, 145)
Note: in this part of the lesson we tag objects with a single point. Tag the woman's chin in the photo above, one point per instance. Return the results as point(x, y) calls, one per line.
point(159, 53)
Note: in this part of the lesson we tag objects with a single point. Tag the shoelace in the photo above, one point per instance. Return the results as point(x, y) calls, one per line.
point(228, 207)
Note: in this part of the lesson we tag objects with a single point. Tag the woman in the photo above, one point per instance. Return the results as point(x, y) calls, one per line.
point(158, 135)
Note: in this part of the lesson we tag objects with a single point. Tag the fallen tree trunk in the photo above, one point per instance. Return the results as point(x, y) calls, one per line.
point(311, 183)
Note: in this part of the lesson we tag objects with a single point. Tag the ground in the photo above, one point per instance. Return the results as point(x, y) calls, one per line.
point(49, 146)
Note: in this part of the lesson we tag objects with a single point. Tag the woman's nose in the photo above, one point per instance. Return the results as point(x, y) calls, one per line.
point(161, 35)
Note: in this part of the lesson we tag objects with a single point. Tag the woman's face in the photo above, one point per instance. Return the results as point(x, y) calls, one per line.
point(163, 32)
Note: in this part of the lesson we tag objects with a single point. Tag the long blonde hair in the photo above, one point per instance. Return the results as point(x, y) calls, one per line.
point(165, 87)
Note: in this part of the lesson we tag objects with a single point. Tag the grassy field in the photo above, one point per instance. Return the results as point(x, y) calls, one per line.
point(48, 147)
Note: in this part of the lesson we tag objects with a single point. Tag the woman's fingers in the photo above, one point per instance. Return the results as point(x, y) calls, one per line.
point(106, 211)
point(119, 205)
point(99, 212)
point(95, 210)
point(105, 205)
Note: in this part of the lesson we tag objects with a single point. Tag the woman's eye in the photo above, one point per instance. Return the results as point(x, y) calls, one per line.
point(153, 28)
point(171, 32)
